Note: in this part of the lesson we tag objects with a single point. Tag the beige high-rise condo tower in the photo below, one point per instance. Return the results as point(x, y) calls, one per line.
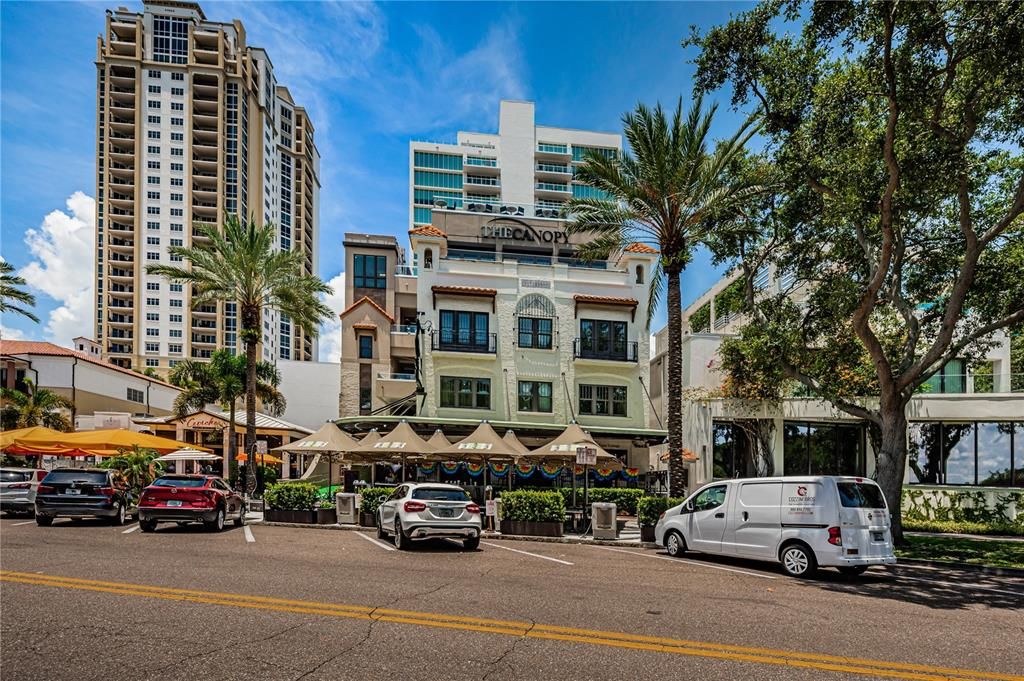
point(191, 126)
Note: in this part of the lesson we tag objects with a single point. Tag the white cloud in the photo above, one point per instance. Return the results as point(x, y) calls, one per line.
point(62, 267)
point(7, 333)
point(330, 333)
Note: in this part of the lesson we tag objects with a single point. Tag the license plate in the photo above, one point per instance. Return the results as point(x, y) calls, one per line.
point(72, 491)
point(878, 536)
point(174, 502)
point(445, 513)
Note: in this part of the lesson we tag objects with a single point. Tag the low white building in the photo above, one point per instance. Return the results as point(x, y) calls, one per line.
point(91, 384)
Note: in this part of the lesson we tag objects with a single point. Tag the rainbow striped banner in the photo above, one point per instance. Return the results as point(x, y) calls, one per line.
point(474, 469)
point(499, 470)
point(550, 471)
point(525, 470)
point(450, 467)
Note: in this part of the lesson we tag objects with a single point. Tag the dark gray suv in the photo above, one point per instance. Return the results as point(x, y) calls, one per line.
point(83, 492)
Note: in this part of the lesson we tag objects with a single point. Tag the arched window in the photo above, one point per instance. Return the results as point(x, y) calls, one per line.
point(639, 274)
point(535, 314)
point(428, 259)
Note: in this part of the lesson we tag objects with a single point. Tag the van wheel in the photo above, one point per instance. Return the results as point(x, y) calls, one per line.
point(853, 570)
point(798, 561)
point(675, 545)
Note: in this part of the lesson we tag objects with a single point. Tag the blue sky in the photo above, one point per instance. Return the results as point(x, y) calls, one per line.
point(372, 77)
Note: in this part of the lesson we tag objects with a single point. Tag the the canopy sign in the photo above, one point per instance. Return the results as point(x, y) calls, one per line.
point(514, 230)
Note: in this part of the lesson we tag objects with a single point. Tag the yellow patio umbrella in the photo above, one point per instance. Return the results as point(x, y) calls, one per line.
point(101, 442)
point(9, 438)
point(261, 458)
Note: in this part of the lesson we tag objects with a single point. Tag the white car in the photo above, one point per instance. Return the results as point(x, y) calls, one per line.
point(18, 489)
point(417, 511)
point(801, 522)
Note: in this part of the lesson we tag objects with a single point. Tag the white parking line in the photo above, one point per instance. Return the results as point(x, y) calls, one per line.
point(249, 538)
point(24, 522)
point(687, 562)
point(130, 529)
point(527, 553)
point(379, 543)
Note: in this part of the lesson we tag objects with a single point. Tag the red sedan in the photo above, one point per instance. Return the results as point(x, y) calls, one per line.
point(185, 499)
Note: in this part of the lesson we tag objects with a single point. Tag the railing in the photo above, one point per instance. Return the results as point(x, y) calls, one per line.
point(973, 384)
point(623, 351)
point(553, 148)
point(493, 205)
point(553, 187)
point(385, 376)
point(485, 162)
point(553, 168)
point(403, 328)
point(524, 259)
point(454, 340)
point(488, 181)
point(405, 271)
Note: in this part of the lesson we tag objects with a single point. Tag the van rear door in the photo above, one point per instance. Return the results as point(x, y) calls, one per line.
point(754, 527)
point(863, 519)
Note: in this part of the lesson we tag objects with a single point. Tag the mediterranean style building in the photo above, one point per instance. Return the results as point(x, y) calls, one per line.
point(967, 424)
point(499, 322)
point(524, 170)
point(191, 125)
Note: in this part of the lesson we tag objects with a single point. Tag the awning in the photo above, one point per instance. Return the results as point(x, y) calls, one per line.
point(189, 454)
point(438, 440)
point(563, 449)
point(100, 443)
point(401, 442)
point(483, 444)
point(329, 438)
point(514, 442)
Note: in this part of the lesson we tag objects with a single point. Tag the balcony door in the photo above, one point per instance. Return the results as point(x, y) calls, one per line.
point(600, 338)
point(464, 329)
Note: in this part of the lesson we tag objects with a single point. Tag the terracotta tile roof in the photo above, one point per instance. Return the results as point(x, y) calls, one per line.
point(19, 347)
point(640, 248)
point(605, 300)
point(465, 290)
point(366, 299)
point(365, 326)
point(428, 230)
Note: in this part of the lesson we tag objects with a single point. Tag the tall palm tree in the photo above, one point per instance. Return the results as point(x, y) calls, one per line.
point(11, 296)
point(222, 381)
point(34, 407)
point(240, 265)
point(665, 195)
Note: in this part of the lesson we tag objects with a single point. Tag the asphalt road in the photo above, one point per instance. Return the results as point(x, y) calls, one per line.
point(89, 601)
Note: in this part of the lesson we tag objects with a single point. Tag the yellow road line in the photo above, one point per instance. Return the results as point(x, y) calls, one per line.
point(523, 629)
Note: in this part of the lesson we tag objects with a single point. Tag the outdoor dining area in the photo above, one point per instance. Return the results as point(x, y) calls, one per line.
point(480, 462)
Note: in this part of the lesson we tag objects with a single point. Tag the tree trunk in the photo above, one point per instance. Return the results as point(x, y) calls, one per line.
point(674, 387)
point(251, 333)
point(891, 461)
point(229, 448)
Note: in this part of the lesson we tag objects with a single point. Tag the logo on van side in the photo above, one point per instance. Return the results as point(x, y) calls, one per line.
point(801, 491)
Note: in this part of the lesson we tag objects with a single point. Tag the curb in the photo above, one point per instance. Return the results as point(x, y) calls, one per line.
point(485, 535)
point(967, 567)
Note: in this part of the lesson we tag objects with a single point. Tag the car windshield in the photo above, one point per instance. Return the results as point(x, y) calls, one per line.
point(76, 476)
point(179, 482)
point(440, 494)
point(860, 495)
point(15, 476)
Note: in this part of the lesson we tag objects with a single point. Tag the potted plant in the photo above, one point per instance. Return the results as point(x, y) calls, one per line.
point(291, 502)
point(539, 514)
point(371, 499)
point(649, 510)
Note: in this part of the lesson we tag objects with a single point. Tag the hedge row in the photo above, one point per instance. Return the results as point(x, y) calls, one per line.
point(649, 509)
point(373, 497)
point(291, 496)
point(624, 498)
point(526, 505)
point(962, 527)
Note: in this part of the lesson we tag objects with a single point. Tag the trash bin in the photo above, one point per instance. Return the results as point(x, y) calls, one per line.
point(345, 503)
point(603, 520)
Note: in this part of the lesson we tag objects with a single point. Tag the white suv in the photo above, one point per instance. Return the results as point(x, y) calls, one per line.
point(417, 511)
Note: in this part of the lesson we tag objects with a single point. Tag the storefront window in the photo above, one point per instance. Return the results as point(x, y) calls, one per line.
point(731, 453)
point(823, 449)
point(995, 454)
point(958, 446)
point(967, 454)
point(794, 452)
point(923, 454)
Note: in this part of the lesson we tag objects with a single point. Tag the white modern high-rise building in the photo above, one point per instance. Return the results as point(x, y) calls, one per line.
point(525, 169)
point(191, 125)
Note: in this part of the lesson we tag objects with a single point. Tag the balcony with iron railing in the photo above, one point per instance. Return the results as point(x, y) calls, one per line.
point(615, 351)
point(455, 340)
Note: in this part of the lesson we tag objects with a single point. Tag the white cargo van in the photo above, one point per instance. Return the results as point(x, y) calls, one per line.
point(802, 522)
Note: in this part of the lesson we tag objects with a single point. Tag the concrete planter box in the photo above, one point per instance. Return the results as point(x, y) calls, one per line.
point(323, 516)
point(531, 528)
point(367, 519)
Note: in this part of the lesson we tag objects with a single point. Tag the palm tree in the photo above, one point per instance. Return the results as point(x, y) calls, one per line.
point(241, 266)
point(10, 292)
point(665, 195)
point(139, 467)
point(222, 381)
point(34, 407)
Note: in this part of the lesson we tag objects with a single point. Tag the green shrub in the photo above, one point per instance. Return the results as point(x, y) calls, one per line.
point(373, 497)
point(291, 496)
point(961, 527)
point(538, 507)
point(649, 509)
point(624, 498)
point(971, 506)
